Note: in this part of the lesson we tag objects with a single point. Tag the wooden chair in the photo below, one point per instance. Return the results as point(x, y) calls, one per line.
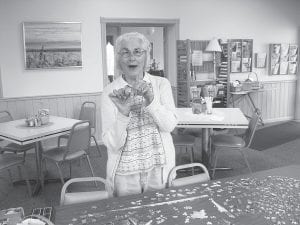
point(198, 178)
point(87, 112)
point(85, 196)
point(5, 116)
point(8, 161)
point(77, 146)
point(226, 141)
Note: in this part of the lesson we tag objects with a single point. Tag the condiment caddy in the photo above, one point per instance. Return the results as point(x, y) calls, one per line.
point(42, 118)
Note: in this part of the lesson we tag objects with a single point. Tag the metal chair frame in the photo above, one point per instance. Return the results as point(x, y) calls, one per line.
point(247, 137)
point(80, 195)
point(19, 163)
point(12, 147)
point(203, 177)
point(92, 120)
point(188, 146)
point(68, 149)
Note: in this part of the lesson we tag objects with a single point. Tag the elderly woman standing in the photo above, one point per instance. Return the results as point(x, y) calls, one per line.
point(138, 114)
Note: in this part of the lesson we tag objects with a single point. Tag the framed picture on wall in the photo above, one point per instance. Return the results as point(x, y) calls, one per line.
point(52, 45)
point(240, 53)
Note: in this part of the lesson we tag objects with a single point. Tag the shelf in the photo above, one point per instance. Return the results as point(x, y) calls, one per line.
point(186, 72)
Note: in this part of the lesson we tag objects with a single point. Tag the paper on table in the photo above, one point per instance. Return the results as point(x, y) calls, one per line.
point(215, 116)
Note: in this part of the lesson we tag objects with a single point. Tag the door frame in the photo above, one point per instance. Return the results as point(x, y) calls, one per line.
point(171, 35)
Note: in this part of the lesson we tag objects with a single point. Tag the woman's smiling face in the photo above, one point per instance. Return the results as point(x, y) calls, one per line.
point(132, 58)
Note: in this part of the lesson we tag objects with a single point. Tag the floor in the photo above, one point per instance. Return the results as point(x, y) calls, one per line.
point(14, 196)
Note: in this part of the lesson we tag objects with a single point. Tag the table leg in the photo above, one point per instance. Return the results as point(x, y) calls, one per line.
point(232, 101)
point(205, 148)
point(38, 157)
point(257, 110)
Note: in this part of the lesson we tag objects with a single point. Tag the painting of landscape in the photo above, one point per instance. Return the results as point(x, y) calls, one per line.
point(52, 45)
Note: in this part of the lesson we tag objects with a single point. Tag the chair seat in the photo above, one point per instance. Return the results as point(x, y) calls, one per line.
point(8, 160)
point(57, 154)
point(223, 140)
point(66, 136)
point(190, 180)
point(79, 197)
point(186, 140)
point(13, 147)
point(193, 132)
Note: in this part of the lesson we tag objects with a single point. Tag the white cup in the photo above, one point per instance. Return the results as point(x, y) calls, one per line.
point(208, 101)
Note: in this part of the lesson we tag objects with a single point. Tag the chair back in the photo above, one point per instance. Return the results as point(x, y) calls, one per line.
point(5, 116)
point(249, 134)
point(197, 178)
point(88, 112)
point(79, 138)
point(85, 196)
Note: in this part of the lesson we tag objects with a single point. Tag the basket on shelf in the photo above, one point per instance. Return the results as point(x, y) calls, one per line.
point(236, 88)
point(249, 84)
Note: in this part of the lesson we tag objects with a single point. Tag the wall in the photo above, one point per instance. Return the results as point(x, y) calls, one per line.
point(265, 21)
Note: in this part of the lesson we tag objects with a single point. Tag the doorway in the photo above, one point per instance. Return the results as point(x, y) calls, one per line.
point(162, 34)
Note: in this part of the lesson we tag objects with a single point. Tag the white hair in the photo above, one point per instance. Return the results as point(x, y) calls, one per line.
point(127, 37)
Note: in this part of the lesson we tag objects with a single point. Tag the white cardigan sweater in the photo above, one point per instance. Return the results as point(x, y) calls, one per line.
point(114, 124)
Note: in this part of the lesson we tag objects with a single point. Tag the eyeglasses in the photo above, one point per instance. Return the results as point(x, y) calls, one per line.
point(136, 53)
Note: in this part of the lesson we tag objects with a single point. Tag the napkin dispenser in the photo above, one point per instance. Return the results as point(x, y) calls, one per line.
point(43, 114)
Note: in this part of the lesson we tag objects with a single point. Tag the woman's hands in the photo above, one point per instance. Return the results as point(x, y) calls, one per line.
point(144, 89)
point(121, 97)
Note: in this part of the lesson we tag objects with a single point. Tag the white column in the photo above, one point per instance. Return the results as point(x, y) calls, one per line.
point(297, 97)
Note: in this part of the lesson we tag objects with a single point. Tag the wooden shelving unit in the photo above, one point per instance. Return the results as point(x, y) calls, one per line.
point(223, 71)
point(188, 74)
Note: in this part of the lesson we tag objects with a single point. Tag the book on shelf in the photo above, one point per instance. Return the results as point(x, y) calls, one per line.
point(222, 82)
point(223, 68)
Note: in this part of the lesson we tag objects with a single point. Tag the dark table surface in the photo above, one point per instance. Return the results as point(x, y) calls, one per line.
point(265, 197)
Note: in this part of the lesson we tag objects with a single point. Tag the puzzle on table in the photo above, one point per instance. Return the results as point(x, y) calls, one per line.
point(274, 200)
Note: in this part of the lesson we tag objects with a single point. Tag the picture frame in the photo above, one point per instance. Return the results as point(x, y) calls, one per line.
point(52, 45)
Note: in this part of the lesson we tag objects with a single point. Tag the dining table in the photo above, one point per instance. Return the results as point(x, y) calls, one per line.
point(219, 118)
point(264, 197)
point(17, 131)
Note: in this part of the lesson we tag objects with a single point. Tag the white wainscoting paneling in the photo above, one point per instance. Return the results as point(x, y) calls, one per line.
point(59, 105)
point(276, 101)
